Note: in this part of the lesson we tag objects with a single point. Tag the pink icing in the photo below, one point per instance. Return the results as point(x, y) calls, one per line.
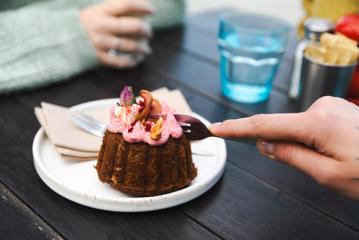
point(121, 119)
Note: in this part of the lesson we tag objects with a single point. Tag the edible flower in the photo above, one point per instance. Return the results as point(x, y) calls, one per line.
point(156, 129)
point(126, 96)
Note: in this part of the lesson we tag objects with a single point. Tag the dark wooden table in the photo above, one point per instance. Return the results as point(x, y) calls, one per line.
point(255, 199)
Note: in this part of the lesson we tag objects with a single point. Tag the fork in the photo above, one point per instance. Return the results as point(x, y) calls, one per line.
point(97, 128)
point(195, 129)
point(88, 123)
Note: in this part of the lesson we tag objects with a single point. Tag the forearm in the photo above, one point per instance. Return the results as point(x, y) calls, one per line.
point(39, 45)
point(168, 13)
point(51, 4)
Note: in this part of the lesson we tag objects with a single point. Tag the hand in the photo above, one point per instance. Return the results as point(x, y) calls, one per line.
point(322, 142)
point(118, 25)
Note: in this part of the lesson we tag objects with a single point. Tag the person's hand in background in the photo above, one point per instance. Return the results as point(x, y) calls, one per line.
point(322, 142)
point(118, 25)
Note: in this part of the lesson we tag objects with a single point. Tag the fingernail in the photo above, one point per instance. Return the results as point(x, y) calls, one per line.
point(266, 148)
point(215, 125)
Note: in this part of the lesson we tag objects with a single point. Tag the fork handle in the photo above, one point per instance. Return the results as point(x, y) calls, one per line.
point(250, 141)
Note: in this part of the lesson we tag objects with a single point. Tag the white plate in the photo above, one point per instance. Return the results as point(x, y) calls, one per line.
point(78, 181)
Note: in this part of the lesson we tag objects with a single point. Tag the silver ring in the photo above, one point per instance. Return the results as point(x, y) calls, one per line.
point(137, 57)
point(115, 52)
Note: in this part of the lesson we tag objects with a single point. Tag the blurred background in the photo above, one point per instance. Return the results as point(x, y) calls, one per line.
point(290, 10)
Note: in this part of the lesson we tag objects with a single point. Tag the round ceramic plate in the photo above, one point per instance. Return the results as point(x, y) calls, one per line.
point(78, 181)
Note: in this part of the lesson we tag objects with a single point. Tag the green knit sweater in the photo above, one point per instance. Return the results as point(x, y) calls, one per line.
point(42, 42)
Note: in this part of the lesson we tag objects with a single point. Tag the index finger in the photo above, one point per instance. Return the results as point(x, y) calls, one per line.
point(288, 126)
point(129, 8)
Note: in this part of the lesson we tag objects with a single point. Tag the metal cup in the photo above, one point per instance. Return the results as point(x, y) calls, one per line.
point(319, 80)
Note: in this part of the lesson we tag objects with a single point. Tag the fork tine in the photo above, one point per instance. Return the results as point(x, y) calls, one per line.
point(83, 122)
point(89, 120)
point(186, 127)
point(185, 118)
point(88, 128)
point(86, 122)
point(183, 124)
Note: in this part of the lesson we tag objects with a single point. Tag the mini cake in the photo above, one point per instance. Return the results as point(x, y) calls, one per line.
point(144, 156)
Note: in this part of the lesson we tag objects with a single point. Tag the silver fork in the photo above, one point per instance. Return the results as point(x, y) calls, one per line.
point(88, 123)
point(98, 128)
point(195, 129)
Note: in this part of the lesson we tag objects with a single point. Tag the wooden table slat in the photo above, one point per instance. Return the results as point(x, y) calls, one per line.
point(17, 221)
point(239, 207)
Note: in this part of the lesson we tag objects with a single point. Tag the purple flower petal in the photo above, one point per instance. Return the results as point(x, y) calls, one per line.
point(126, 96)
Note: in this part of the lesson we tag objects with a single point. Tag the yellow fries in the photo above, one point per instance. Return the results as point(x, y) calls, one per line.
point(334, 49)
point(338, 40)
point(315, 52)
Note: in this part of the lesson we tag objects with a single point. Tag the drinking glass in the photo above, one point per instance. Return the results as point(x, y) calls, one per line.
point(251, 47)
